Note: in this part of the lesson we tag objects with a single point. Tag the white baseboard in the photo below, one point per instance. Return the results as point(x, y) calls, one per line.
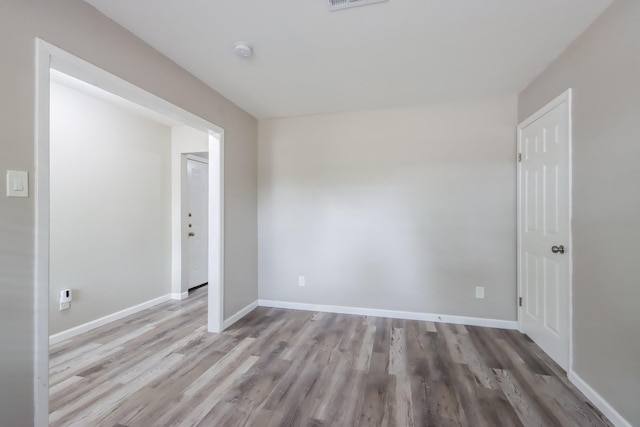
point(239, 315)
point(69, 333)
point(599, 402)
point(407, 315)
point(181, 296)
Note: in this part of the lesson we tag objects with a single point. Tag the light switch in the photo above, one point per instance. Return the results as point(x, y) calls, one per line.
point(17, 184)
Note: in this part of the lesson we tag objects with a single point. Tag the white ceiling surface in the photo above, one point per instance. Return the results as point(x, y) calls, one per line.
point(402, 52)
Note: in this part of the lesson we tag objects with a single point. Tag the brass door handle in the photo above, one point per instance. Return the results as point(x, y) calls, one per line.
point(557, 249)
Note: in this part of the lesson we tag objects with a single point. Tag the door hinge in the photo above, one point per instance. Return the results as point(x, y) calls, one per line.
point(520, 302)
point(519, 157)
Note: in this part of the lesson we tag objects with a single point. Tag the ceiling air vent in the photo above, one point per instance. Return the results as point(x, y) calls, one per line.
point(344, 4)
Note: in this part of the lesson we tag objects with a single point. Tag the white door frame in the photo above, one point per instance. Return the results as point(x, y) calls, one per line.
point(565, 97)
point(49, 56)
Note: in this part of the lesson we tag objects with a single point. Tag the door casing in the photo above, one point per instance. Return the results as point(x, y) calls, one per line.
point(49, 56)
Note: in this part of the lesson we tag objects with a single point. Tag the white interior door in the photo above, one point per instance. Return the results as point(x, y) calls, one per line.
point(544, 228)
point(197, 222)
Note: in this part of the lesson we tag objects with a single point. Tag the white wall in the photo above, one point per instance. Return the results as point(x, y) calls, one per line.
point(184, 139)
point(404, 209)
point(110, 207)
point(603, 67)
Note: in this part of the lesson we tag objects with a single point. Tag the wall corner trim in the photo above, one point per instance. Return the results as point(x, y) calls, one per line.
point(239, 314)
point(70, 333)
point(599, 402)
point(407, 315)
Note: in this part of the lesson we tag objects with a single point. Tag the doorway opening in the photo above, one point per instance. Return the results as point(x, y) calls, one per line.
point(197, 225)
point(51, 60)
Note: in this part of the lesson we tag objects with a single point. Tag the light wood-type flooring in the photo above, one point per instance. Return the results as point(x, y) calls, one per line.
point(277, 367)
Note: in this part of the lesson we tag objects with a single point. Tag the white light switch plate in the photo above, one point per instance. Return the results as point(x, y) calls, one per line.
point(17, 184)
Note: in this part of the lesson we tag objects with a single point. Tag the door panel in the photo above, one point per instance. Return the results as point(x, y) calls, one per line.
point(532, 197)
point(531, 290)
point(551, 214)
point(551, 279)
point(544, 189)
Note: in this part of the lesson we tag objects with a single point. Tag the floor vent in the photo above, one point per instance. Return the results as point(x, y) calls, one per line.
point(345, 4)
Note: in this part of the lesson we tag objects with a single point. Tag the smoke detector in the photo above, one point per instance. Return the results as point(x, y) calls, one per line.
point(345, 4)
point(243, 49)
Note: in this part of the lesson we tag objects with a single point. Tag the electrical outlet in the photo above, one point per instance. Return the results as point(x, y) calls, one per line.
point(301, 281)
point(66, 295)
point(65, 299)
point(480, 292)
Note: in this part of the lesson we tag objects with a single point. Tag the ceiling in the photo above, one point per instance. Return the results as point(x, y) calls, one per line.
point(308, 60)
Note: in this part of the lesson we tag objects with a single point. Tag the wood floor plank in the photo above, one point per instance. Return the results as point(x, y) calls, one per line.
point(115, 398)
point(497, 409)
point(344, 401)
point(397, 353)
point(401, 410)
point(564, 402)
point(89, 400)
point(424, 407)
point(152, 403)
point(297, 400)
point(304, 338)
point(229, 360)
point(62, 357)
point(522, 404)
point(447, 332)
point(275, 368)
point(126, 370)
point(528, 382)
point(375, 407)
point(363, 360)
point(533, 362)
point(62, 386)
point(251, 391)
point(329, 384)
point(214, 395)
point(328, 340)
point(482, 374)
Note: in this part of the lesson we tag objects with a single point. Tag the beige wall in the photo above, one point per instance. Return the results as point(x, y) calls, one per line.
point(403, 209)
point(603, 68)
point(79, 29)
point(110, 208)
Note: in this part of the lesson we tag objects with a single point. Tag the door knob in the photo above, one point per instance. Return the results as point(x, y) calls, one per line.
point(193, 234)
point(557, 249)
